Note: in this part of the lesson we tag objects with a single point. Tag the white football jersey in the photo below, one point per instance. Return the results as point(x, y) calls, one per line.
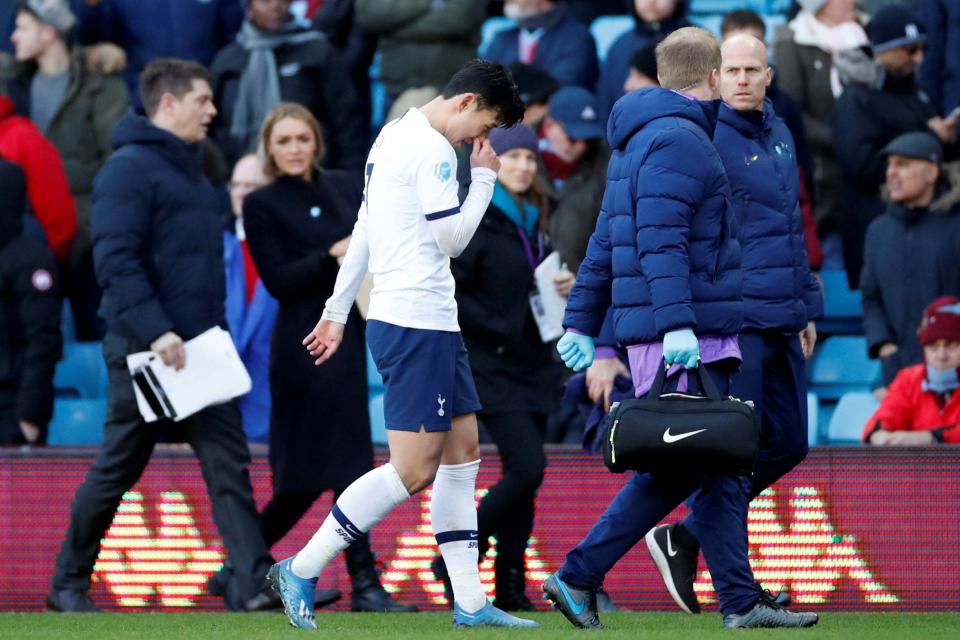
point(411, 179)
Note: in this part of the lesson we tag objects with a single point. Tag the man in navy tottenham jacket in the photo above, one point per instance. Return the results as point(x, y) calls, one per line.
point(665, 254)
point(781, 298)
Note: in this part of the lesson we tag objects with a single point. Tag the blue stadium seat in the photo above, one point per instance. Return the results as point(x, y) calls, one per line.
point(724, 6)
point(606, 30)
point(710, 22)
point(378, 428)
point(778, 6)
point(842, 307)
point(378, 95)
point(851, 414)
point(82, 372)
point(842, 365)
point(77, 422)
point(813, 422)
point(490, 28)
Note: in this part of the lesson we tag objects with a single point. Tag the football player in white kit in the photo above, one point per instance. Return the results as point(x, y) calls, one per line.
point(410, 224)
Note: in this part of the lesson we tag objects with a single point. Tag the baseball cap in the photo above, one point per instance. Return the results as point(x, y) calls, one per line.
point(893, 26)
point(56, 13)
point(916, 144)
point(575, 109)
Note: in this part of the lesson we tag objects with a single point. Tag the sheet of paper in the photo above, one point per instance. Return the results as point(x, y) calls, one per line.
point(548, 305)
point(213, 374)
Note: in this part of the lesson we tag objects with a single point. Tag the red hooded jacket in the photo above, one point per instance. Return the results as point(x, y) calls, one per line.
point(47, 188)
point(907, 407)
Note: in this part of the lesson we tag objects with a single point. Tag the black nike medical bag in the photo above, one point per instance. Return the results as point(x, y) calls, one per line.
point(681, 432)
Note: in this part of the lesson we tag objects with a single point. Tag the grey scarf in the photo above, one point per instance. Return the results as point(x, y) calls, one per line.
point(259, 90)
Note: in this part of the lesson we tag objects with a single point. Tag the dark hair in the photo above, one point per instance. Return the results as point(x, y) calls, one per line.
point(168, 75)
point(494, 87)
point(742, 19)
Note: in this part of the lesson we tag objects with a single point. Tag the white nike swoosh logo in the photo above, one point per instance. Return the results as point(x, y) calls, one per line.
point(670, 550)
point(669, 438)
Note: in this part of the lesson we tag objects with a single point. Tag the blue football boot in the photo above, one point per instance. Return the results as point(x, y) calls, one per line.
point(296, 593)
point(579, 606)
point(489, 616)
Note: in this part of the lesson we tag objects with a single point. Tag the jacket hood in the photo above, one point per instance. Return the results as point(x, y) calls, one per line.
point(676, 20)
point(14, 187)
point(638, 108)
point(748, 123)
point(135, 128)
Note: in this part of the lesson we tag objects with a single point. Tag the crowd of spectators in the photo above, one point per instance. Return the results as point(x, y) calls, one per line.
point(848, 80)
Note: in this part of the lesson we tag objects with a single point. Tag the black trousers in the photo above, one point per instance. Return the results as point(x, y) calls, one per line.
point(10, 433)
point(508, 508)
point(216, 436)
point(285, 510)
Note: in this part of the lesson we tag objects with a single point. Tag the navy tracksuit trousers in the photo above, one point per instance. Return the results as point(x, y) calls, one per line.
point(720, 502)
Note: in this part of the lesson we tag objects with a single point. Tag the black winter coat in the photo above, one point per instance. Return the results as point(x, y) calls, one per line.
point(912, 256)
point(513, 368)
point(30, 343)
point(865, 120)
point(157, 236)
point(319, 425)
point(311, 73)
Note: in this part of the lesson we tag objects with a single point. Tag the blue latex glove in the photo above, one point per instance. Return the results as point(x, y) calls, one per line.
point(576, 350)
point(681, 347)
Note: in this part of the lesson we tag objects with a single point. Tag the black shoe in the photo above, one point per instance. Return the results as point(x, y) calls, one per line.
point(217, 583)
point(511, 583)
point(577, 605)
point(375, 599)
point(767, 614)
point(70, 601)
point(325, 597)
point(783, 598)
point(677, 566)
point(605, 603)
point(440, 573)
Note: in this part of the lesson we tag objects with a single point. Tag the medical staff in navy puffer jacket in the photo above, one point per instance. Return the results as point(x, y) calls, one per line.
point(665, 256)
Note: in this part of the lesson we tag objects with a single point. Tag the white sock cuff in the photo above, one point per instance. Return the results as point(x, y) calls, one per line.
point(465, 471)
point(394, 482)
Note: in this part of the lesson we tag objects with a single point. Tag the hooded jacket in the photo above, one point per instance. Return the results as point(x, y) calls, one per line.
point(759, 155)
point(616, 65)
point(665, 252)
point(82, 125)
point(47, 190)
point(911, 257)
point(30, 342)
point(157, 236)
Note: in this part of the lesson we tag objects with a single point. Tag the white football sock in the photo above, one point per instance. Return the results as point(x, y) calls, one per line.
point(362, 505)
point(453, 512)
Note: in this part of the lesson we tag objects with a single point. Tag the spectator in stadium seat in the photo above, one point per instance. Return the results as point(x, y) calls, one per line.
point(76, 107)
point(869, 115)
point(30, 322)
point(653, 21)
point(158, 253)
point(643, 69)
point(422, 43)
point(804, 53)
point(911, 252)
point(748, 21)
point(575, 156)
point(586, 11)
point(922, 406)
point(276, 59)
point(48, 192)
point(516, 375)
point(251, 310)
point(146, 30)
point(298, 229)
point(536, 88)
point(940, 71)
point(548, 37)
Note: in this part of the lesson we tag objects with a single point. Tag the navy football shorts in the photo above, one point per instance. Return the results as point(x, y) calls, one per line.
point(426, 376)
